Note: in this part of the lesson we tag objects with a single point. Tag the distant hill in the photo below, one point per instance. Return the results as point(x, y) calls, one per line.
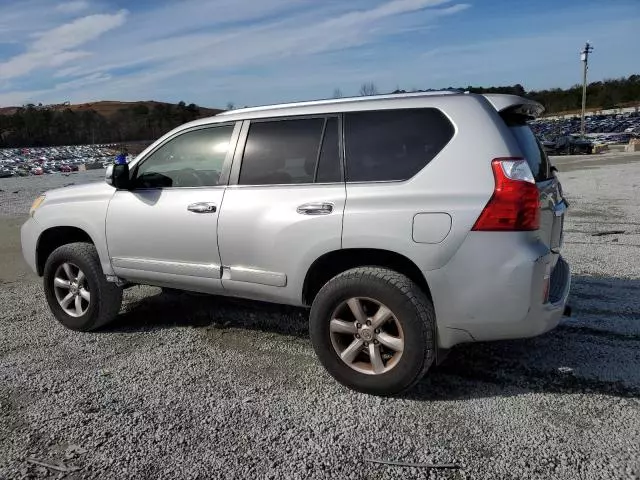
point(105, 121)
point(111, 107)
point(106, 108)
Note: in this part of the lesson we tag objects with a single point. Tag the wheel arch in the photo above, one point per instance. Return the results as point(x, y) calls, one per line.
point(55, 237)
point(335, 262)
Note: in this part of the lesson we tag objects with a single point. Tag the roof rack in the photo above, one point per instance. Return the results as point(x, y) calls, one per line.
point(341, 100)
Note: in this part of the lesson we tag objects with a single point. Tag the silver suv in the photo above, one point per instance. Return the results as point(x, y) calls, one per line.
point(409, 223)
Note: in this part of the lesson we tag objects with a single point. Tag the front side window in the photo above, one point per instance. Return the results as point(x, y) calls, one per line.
point(193, 159)
point(282, 152)
point(393, 144)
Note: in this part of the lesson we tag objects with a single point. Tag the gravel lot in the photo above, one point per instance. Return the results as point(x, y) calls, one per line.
point(196, 387)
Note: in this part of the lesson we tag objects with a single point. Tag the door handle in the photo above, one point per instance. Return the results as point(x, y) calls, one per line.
point(321, 208)
point(202, 207)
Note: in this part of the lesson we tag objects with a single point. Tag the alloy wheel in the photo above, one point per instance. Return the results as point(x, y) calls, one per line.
point(71, 289)
point(366, 335)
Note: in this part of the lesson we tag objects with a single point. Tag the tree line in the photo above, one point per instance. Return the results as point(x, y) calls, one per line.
point(601, 95)
point(32, 125)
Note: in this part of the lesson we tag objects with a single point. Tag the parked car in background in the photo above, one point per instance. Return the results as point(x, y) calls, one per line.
point(568, 145)
point(552, 128)
point(408, 223)
point(51, 158)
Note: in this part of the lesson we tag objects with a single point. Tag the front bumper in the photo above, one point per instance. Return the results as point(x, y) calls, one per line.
point(29, 234)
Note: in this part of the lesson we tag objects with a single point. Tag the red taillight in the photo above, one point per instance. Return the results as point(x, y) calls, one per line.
point(514, 205)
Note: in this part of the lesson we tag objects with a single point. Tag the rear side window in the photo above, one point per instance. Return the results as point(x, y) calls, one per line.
point(393, 144)
point(529, 144)
point(281, 152)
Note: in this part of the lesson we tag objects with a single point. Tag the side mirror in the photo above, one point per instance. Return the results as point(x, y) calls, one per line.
point(118, 176)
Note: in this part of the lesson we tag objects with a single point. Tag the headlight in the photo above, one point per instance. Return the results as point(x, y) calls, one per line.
point(36, 204)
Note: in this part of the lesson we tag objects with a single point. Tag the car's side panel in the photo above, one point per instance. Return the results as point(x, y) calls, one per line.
point(152, 235)
point(83, 207)
point(169, 234)
point(267, 247)
point(457, 182)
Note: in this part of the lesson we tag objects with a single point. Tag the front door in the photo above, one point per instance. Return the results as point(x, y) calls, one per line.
point(163, 231)
point(283, 207)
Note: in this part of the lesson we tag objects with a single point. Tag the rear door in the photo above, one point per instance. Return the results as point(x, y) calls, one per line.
point(283, 207)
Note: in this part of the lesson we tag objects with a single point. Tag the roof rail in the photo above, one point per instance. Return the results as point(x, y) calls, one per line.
point(341, 100)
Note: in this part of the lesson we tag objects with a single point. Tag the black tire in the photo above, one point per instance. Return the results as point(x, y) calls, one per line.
point(413, 310)
point(106, 297)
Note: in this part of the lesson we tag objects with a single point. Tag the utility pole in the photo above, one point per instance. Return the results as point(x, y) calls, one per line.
point(584, 56)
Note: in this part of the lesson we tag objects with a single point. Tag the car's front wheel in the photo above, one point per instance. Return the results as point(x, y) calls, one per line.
point(373, 329)
point(77, 291)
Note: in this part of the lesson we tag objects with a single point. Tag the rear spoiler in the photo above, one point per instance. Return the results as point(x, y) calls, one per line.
point(514, 104)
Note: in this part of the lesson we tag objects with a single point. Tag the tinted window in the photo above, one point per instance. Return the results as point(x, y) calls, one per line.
point(193, 159)
point(281, 152)
point(393, 144)
point(532, 151)
point(329, 169)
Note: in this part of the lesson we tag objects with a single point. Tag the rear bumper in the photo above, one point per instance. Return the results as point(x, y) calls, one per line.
point(493, 289)
point(541, 317)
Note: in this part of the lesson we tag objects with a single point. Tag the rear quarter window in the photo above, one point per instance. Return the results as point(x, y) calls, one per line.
point(530, 146)
point(533, 152)
point(393, 144)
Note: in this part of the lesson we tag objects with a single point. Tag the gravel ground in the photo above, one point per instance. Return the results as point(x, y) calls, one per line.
point(200, 387)
point(17, 193)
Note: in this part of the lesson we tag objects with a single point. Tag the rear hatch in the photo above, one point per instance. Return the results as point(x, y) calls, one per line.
point(516, 112)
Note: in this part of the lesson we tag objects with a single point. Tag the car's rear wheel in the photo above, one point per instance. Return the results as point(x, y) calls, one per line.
point(373, 329)
point(77, 291)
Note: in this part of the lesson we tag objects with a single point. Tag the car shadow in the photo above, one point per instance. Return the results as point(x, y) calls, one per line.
point(595, 351)
point(173, 308)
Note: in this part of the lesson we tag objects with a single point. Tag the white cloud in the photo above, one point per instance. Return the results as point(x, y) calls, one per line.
point(260, 44)
point(74, 6)
point(84, 81)
point(68, 72)
point(20, 97)
point(78, 32)
point(60, 58)
point(460, 7)
point(200, 39)
point(54, 47)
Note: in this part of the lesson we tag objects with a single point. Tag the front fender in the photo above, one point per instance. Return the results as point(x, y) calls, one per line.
point(83, 208)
